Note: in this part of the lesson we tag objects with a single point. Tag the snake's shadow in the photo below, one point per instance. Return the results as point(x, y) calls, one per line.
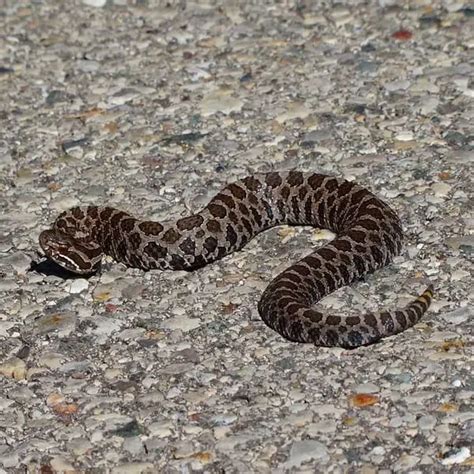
point(48, 267)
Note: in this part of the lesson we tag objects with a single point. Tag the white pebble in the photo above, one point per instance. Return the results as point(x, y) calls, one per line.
point(78, 286)
point(456, 456)
point(404, 136)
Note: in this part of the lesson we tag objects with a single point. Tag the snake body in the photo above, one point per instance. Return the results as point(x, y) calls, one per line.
point(369, 235)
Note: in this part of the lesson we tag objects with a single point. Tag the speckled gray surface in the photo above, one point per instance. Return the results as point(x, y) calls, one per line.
point(153, 107)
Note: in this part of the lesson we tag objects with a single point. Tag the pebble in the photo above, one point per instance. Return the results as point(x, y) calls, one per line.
point(456, 456)
point(404, 136)
point(14, 368)
point(78, 286)
point(19, 261)
point(304, 451)
point(133, 468)
point(220, 101)
point(441, 189)
point(459, 315)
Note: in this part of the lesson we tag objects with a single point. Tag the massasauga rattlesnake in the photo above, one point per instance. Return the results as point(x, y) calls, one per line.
point(369, 235)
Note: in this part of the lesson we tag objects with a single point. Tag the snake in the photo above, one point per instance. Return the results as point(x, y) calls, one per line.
point(368, 235)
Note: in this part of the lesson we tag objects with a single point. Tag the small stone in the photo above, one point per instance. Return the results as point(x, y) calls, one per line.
point(455, 138)
point(74, 146)
point(397, 85)
point(404, 136)
point(79, 446)
point(183, 323)
point(133, 468)
point(455, 456)
point(61, 464)
point(63, 322)
point(220, 101)
point(294, 110)
point(14, 368)
point(56, 96)
point(406, 462)
point(95, 3)
point(78, 286)
point(133, 445)
point(441, 189)
point(427, 422)
point(464, 243)
point(306, 450)
point(459, 315)
point(428, 105)
point(366, 388)
point(317, 136)
point(19, 261)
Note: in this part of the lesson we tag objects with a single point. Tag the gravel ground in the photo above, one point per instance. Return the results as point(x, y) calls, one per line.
point(153, 107)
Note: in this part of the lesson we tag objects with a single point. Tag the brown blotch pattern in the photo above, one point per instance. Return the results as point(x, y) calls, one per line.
point(150, 227)
point(189, 223)
point(171, 236)
point(370, 235)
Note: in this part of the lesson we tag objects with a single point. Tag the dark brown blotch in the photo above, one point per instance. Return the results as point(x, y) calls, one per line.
point(295, 206)
point(155, 250)
point(77, 213)
point(248, 226)
point(92, 211)
point(273, 180)
point(237, 191)
point(370, 320)
point(188, 246)
point(369, 224)
point(150, 227)
point(333, 320)
point(315, 181)
point(295, 178)
point(243, 209)
point(233, 217)
point(322, 213)
point(345, 187)
point(327, 253)
point(135, 240)
point(357, 235)
point(313, 315)
point(117, 218)
point(308, 210)
point(313, 261)
point(189, 223)
point(178, 262)
point(128, 224)
point(214, 226)
point(217, 210)
point(285, 192)
point(253, 199)
point(251, 183)
point(331, 185)
point(341, 244)
point(229, 201)
point(231, 235)
point(301, 269)
point(210, 244)
point(401, 319)
point(171, 236)
point(352, 320)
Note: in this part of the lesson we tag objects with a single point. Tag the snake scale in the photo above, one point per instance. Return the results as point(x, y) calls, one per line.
point(369, 235)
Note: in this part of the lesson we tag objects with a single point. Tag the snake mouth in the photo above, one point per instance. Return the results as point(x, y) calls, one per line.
point(77, 257)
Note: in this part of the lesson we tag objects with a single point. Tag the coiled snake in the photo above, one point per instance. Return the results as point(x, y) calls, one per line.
point(369, 235)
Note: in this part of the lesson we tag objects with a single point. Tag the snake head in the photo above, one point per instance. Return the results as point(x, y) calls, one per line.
point(77, 256)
